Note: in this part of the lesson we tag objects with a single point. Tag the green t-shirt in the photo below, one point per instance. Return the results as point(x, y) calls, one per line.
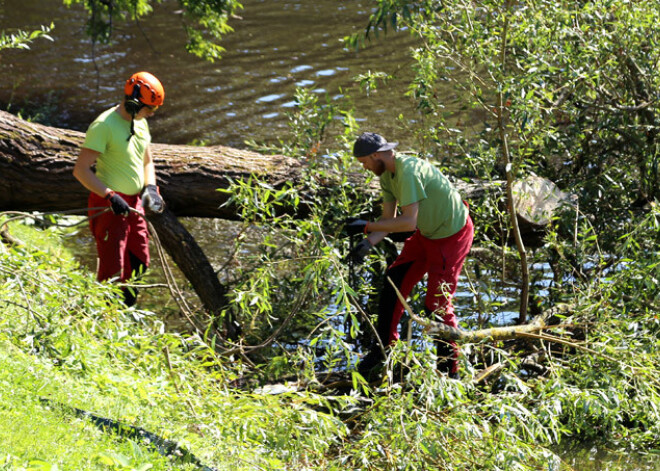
point(121, 163)
point(441, 209)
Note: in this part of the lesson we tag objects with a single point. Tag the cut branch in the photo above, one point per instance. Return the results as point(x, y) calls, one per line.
point(445, 332)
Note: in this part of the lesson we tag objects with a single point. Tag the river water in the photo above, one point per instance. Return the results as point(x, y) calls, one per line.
point(276, 46)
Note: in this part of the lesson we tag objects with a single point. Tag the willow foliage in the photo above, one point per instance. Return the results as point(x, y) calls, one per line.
point(204, 21)
point(579, 81)
point(65, 341)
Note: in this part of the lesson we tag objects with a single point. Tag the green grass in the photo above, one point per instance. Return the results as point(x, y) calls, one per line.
point(35, 434)
point(65, 337)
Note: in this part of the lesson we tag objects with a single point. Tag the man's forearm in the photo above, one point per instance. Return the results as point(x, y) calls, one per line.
point(398, 224)
point(149, 168)
point(376, 237)
point(90, 181)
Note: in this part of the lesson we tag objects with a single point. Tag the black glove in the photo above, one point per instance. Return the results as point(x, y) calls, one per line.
point(360, 251)
point(355, 226)
point(119, 206)
point(152, 200)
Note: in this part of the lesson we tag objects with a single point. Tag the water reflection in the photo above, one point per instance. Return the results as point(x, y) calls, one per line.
point(276, 47)
point(592, 457)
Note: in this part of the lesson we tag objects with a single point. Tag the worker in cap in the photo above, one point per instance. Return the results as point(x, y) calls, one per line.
point(416, 197)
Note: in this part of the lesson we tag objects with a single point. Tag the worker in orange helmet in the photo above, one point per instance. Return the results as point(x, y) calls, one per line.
point(118, 143)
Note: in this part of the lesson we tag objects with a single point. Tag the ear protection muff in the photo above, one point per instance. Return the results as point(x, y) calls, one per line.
point(133, 106)
point(132, 103)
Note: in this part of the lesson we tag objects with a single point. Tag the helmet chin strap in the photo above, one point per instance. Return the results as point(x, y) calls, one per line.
point(132, 126)
point(133, 106)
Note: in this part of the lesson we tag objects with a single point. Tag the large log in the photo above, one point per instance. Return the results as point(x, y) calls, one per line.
point(36, 164)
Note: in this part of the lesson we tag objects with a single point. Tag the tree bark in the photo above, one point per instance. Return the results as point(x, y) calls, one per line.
point(192, 261)
point(36, 164)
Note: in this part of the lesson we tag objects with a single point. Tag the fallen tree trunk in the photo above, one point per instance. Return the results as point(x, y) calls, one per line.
point(36, 164)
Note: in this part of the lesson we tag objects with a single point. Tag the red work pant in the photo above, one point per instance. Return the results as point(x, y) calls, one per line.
point(119, 240)
point(442, 259)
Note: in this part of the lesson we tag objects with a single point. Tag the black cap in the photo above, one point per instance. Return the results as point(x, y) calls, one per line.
point(370, 142)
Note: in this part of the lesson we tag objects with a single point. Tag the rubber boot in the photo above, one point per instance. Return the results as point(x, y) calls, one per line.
point(447, 361)
point(130, 296)
point(447, 352)
point(138, 267)
point(372, 363)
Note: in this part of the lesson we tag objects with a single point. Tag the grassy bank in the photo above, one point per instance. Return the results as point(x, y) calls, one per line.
point(67, 344)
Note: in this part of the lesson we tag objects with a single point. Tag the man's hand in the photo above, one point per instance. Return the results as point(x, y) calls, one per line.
point(119, 206)
point(360, 251)
point(355, 226)
point(152, 200)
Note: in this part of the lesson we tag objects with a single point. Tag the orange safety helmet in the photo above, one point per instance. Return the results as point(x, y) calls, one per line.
point(149, 91)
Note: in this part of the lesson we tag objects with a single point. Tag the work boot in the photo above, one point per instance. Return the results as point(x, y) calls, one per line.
point(371, 364)
point(130, 296)
point(447, 361)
